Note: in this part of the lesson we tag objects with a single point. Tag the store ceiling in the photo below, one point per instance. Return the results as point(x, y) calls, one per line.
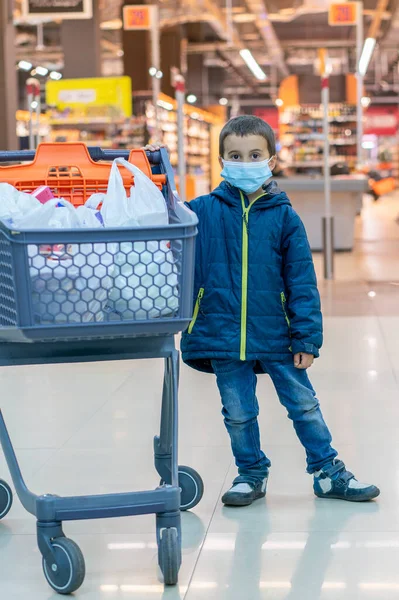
point(283, 36)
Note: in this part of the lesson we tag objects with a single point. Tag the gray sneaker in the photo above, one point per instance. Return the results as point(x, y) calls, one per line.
point(243, 494)
point(334, 481)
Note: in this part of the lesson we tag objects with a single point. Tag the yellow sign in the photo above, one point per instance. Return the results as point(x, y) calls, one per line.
point(138, 17)
point(112, 93)
point(343, 13)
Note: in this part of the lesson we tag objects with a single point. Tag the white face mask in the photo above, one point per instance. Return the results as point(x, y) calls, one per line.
point(247, 176)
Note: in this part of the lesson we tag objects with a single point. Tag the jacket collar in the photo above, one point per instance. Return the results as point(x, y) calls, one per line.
point(273, 195)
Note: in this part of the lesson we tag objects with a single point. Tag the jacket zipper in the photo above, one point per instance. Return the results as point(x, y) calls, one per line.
point(196, 310)
point(283, 304)
point(244, 279)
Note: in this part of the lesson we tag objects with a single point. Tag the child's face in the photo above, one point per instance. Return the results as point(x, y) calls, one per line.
point(250, 148)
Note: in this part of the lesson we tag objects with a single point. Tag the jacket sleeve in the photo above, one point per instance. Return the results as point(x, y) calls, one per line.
point(303, 299)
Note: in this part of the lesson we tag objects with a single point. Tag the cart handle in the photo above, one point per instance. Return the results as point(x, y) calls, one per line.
point(95, 152)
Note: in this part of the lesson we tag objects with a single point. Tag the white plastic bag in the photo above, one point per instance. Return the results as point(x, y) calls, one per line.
point(15, 204)
point(55, 214)
point(146, 277)
point(145, 207)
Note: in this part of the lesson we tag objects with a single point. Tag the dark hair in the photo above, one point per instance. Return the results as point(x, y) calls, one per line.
point(248, 125)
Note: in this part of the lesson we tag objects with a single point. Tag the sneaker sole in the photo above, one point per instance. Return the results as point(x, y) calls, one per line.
point(367, 498)
point(237, 501)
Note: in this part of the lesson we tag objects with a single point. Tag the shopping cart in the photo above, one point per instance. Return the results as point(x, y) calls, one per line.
point(62, 333)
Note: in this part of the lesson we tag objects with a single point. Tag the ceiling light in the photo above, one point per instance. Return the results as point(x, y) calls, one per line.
point(41, 71)
point(367, 53)
point(279, 102)
point(252, 65)
point(223, 102)
point(191, 98)
point(152, 71)
point(365, 101)
point(34, 105)
point(25, 65)
point(55, 75)
point(159, 74)
point(244, 18)
point(166, 105)
point(372, 294)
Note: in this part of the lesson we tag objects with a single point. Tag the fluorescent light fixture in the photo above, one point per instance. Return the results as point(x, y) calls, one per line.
point(55, 75)
point(368, 146)
point(41, 71)
point(25, 65)
point(166, 105)
point(367, 53)
point(191, 98)
point(252, 65)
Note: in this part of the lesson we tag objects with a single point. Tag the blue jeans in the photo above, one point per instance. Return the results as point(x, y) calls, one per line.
point(236, 381)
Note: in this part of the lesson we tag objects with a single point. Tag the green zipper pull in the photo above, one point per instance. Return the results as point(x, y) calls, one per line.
point(196, 310)
point(284, 305)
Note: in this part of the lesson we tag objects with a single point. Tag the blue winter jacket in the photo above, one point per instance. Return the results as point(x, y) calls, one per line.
point(255, 290)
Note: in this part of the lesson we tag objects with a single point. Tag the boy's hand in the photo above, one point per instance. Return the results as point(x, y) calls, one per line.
point(303, 360)
point(155, 147)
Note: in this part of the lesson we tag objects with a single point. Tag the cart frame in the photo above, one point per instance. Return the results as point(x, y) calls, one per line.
point(63, 562)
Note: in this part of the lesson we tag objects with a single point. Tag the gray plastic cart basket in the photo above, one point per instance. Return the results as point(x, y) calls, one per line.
point(62, 299)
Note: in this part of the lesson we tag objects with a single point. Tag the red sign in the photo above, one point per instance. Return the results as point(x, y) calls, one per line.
point(381, 120)
point(138, 17)
point(270, 115)
point(343, 13)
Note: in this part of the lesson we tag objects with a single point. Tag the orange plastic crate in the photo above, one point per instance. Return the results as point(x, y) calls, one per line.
point(69, 171)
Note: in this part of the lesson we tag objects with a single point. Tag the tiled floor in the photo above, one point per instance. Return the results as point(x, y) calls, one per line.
point(88, 429)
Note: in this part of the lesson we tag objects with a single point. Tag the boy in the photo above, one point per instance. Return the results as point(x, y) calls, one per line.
point(257, 310)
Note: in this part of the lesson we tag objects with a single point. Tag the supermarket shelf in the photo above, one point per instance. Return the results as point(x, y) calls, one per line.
point(84, 121)
point(316, 163)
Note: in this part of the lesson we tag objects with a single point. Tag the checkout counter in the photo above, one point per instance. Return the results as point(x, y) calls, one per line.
point(307, 198)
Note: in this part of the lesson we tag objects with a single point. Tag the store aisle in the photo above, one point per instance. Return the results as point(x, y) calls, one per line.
point(89, 428)
point(376, 252)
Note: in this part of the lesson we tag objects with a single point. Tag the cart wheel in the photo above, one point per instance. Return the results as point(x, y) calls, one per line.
point(5, 499)
point(67, 573)
point(170, 555)
point(192, 487)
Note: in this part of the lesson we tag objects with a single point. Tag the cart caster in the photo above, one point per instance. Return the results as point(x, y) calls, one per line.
point(192, 487)
point(170, 555)
point(67, 574)
point(5, 499)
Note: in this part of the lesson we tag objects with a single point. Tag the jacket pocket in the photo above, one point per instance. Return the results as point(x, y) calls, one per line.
point(284, 306)
point(196, 310)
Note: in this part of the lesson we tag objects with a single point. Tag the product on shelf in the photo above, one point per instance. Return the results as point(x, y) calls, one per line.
point(302, 136)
